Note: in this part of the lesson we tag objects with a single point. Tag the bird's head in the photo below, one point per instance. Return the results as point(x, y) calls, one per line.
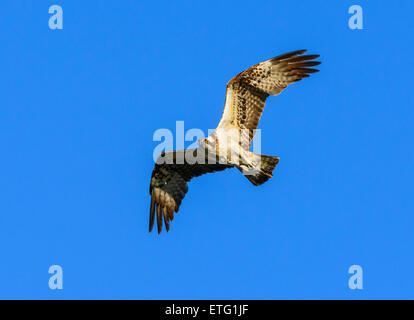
point(206, 143)
point(203, 142)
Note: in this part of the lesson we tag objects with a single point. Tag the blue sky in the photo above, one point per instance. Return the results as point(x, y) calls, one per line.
point(79, 109)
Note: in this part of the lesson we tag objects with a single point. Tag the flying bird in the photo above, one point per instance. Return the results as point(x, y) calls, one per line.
point(228, 145)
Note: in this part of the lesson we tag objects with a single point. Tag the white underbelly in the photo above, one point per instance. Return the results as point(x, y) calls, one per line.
point(229, 146)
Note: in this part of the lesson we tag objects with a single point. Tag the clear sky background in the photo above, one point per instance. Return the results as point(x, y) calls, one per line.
point(79, 107)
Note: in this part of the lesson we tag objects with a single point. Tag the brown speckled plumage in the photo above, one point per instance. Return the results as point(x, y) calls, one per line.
point(245, 100)
point(247, 92)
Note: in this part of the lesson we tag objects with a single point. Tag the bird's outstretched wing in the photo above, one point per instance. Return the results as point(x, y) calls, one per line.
point(169, 181)
point(247, 92)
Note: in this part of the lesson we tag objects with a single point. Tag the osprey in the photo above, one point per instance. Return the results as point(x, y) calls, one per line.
point(228, 145)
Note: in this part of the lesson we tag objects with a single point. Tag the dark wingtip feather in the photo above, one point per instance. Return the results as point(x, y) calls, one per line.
point(159, 218)
point(152, 214)
point(288, 55)
point(307, 70)
point(304, 57)
point(310, 63)
point(166, 221)
point(171, 214)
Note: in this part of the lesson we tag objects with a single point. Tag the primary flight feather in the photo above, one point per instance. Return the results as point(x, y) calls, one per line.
point(228, 146)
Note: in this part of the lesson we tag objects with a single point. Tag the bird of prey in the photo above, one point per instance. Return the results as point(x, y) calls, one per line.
point(228, 145)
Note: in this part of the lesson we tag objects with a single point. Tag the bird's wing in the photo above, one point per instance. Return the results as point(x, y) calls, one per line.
point(247, 92)
point(169, 181)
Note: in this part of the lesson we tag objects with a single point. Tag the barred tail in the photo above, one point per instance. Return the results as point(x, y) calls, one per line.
point(262, 169)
